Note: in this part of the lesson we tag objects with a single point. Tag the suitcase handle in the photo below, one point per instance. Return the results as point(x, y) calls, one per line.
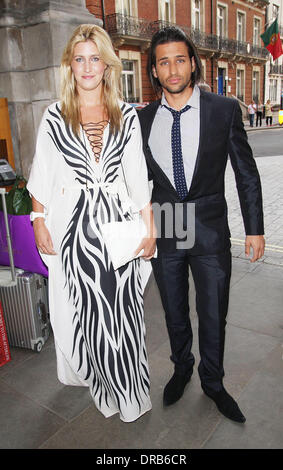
point(11, 258)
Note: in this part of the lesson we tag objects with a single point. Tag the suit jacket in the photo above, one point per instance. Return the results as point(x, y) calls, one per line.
point(221, 134)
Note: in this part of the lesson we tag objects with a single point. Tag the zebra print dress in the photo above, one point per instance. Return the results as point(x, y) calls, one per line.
point(96, 313)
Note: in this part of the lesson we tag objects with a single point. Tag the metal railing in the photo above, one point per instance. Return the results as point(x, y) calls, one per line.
point(275, 68)
point(118, 24)
point(132, 99)
point(128, 26)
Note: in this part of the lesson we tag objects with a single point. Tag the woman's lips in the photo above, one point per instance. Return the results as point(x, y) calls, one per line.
point(87, 77)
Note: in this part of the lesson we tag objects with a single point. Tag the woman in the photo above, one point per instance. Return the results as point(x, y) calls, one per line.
point(88, 155)
point(259, 112)
point(268, 113)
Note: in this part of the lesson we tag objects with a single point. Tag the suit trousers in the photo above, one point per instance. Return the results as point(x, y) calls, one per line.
point(211, 275)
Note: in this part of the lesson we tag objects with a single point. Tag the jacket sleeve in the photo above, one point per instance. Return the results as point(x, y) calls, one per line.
point(246, 174)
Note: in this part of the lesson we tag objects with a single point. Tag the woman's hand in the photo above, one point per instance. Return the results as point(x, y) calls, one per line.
point(42, 237)
point(148, 244)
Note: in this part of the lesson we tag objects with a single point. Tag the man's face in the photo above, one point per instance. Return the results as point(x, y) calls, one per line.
point(173, 66)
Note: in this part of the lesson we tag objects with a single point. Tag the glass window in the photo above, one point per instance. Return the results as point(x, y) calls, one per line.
point(240, 84)
point(129, 85)
point(240, 27)
point(256, 36)
point(255, 90)
point(221, 21)
point(165, 10)
point(126, 7)
point(275, 11)
point(273, 90)
point(197, 14)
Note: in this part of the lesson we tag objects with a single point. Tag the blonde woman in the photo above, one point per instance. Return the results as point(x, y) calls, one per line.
point(88, 144)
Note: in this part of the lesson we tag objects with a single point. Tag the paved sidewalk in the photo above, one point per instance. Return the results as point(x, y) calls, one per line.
point(37, 412)
point(271, 172)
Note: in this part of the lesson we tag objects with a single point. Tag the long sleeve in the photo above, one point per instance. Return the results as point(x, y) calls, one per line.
point(134, 166)
point(42, 174)
point(246, 174)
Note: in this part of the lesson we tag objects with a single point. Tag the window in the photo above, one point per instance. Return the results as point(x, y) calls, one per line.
point(240, 84)
point(222, 20)
point(130, 81)
point(126, 7)
point(255, 89)
point(241, 27)
point(256, 35)
point(273, 90)
point(167, 11)
point(275, 11)
point(198, 14)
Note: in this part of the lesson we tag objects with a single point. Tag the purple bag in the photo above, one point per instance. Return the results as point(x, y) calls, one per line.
point(25, 252)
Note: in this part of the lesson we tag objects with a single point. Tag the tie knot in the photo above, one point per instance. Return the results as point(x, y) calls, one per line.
point(177, 114)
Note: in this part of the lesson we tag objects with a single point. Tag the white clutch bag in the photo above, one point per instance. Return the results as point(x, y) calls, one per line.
point(122, 239)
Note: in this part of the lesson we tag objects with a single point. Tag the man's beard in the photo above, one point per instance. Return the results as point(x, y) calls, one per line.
point(178, 90)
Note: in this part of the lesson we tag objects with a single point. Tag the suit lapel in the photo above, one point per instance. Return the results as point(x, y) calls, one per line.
point(156, 169)
point(205, 113)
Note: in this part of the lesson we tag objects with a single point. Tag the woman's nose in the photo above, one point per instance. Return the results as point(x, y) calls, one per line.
point(87, 65)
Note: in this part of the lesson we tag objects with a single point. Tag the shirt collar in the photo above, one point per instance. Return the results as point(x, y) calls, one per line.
point(193, 101)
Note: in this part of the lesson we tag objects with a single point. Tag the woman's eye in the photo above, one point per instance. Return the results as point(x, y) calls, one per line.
point(78, 59)
point(95, 59)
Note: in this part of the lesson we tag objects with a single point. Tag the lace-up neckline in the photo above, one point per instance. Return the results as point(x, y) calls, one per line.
point(94, 132)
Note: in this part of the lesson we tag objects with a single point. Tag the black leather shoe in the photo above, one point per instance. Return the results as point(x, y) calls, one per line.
point(226, 405)
point(175, 388)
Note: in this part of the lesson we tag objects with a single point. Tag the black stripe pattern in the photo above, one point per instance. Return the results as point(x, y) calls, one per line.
point(108, 343)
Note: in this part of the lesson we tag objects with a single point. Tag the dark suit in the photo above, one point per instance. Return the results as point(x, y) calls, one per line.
point(221, 133)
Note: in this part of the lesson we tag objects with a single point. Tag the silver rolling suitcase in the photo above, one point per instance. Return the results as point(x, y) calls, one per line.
point(24, 298)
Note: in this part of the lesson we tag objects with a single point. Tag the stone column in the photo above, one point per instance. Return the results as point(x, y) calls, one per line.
point(33, 34)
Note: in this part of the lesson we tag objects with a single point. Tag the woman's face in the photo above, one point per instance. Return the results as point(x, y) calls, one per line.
point(87, 66)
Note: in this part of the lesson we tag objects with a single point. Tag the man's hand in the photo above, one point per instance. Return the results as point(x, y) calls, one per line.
point(257, 243)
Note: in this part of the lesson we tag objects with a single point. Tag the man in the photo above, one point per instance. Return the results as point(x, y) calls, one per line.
point(188, 135)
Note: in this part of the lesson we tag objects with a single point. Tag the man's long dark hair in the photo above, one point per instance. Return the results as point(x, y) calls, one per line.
point(172, 34)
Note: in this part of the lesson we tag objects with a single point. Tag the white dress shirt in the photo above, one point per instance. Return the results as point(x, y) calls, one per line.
point(160, 137)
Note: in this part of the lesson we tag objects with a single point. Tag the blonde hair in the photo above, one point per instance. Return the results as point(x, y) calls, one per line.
point(70, 106)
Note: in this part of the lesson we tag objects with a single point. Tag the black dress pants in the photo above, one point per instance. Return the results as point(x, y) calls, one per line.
point(211, 275)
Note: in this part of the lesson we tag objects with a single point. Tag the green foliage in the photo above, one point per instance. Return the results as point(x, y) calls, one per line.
point(18, 200)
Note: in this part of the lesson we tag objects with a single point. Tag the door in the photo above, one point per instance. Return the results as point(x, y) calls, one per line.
point(220, 90)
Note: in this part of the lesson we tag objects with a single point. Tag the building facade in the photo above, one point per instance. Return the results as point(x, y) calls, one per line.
point(226, 33)
point(33, 34)
point(274, 68)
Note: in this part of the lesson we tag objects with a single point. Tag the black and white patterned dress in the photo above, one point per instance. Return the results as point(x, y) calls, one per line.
point(96, 313)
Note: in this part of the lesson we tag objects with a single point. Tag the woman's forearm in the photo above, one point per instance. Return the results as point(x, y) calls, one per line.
point(36, 206)
point(147, 215)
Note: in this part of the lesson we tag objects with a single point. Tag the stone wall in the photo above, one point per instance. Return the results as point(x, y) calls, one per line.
point(32, 37)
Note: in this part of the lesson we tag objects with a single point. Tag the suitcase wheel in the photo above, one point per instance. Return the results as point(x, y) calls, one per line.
point(38, 346)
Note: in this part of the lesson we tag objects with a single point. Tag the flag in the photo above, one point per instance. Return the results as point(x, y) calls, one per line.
point(272, 41)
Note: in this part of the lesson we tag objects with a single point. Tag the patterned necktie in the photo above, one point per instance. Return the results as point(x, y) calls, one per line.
point(178, 166)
